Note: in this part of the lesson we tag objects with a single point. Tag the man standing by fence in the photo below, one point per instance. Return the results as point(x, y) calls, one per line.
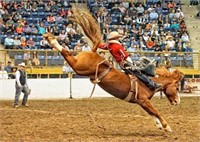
point(21, 86)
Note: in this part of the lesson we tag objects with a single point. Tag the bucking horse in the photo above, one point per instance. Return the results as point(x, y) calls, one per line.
point(119, 84)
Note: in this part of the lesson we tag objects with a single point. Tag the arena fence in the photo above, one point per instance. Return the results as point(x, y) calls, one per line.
point(51, 61)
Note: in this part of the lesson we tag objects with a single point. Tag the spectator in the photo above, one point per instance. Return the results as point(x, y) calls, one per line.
point(127, 19)
point(23, 43)
point(71, 34)
point(115, 9)
point(78, 34)
point(28, 6)
point(86, 47)
point(151, 7)
point(179, 13)
point(185, 37)
point(54, 6)
point(44, 44)
point(122, 9)
point(41, 28)
point(31, 44)
point(174, 26)
point(47, 7)
point(27, 29)
point(6, 15)
point(62, 35)
point(171, 5)
point(188, 49)
point(69, 28)
point(34, 30)
point(27, 58)
point(19, 29)
point(142, 43)
point(35, 60)
point(149, 43)
point(58, 18)
point(8, 68)
point(182, 27)
point(120, 30)
point(21, 86)
point(187, 88)
point(146, 16)
point(145, 37)
point(132, 49)
point(166, 26)
point(171, 43)
point(169, 35)
point(13, 72)
point(10, 22)
point(140, 20)
point(3, 73)
point(171, 14)
point(8, 42)
point(16, 43)
point(78, 47)
point(59, 3)
point(120, 19)
point(159, 9)
point(140, 9)
point(34, 7)
point(56, 30)
point(167, 62)
point(51, 18)
point(63, 13)
point(153, 15)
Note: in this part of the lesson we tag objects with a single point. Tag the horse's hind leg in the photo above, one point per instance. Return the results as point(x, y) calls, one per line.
point(160, 122)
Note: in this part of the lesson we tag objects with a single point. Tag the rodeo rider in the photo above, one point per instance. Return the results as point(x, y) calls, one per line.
point(123, 59)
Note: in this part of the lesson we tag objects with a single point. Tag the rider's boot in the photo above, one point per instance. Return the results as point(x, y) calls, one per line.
point(152, 85)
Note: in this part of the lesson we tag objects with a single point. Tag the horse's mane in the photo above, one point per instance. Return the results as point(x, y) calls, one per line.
point(162, 71)
point(88, 24)
point(176, 74)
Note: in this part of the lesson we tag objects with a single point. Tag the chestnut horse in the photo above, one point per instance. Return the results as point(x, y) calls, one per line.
point(113, 81)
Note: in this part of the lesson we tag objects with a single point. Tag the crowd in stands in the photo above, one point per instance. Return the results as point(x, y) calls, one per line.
point(157, 25)
point(22, 24)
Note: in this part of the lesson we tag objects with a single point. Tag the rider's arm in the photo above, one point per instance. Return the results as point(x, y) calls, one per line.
point(103, 46)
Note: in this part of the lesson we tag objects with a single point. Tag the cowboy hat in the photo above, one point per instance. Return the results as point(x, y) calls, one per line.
point(22, 64)
point(114, 35)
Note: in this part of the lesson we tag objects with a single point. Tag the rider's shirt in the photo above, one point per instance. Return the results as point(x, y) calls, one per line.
point(117, 50)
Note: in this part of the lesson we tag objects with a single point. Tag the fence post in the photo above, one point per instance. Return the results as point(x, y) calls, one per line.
point(70, 79)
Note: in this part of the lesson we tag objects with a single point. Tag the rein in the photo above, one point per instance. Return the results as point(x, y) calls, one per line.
point(101, 76)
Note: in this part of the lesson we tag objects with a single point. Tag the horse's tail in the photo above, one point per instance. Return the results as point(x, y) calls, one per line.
point(89, 25)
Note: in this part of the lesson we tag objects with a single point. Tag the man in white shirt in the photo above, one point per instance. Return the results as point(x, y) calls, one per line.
point(86, 47)
point(21, 86)
point(3, 73)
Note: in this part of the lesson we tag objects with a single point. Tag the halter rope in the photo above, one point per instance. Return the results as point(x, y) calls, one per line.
point(101, 76)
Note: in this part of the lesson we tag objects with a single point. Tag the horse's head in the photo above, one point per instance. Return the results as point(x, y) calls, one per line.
point(171, 90)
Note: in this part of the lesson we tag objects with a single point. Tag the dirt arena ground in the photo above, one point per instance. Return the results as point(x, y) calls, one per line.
point(113, 121)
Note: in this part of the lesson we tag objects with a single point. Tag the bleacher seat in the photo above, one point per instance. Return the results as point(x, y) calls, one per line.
point(42, 60)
